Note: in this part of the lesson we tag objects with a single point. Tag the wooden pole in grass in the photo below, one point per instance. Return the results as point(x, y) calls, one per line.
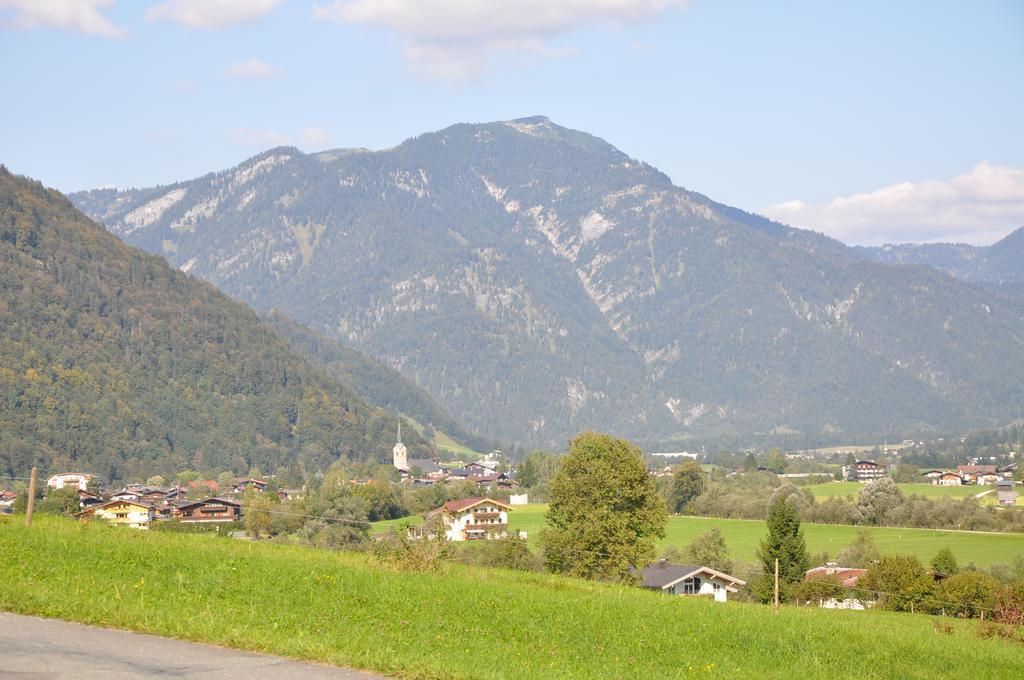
point(776, 585)
point(31, 498)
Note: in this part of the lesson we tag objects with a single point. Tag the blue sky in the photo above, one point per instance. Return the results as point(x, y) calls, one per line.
point(871, 121)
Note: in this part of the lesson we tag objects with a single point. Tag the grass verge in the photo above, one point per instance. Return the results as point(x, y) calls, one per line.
point(466, 623)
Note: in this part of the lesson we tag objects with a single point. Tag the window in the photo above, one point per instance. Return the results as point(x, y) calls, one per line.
point(691, 586)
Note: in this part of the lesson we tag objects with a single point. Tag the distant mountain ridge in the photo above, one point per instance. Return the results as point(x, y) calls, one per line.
point(997, 265)
point(537, 281)
point(113, 363)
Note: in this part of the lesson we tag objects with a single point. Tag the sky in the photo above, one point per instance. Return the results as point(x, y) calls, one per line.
point(873, 122)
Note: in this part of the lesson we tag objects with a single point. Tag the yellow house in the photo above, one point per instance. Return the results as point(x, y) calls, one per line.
point(135, 514)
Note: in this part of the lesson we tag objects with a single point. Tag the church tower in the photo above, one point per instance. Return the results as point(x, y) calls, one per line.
point(399, 454)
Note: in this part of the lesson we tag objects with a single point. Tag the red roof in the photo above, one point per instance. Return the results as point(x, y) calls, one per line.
point(846, 575)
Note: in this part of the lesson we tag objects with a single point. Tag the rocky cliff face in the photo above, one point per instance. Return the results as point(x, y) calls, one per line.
point(538, 282)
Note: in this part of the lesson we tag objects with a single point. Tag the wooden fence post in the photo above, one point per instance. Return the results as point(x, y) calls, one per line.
point(776, 585)
point(31, 498)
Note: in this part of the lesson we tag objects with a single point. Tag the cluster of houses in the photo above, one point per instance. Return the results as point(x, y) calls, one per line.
point(970, 474)
point(139, 505)
point(419, 472)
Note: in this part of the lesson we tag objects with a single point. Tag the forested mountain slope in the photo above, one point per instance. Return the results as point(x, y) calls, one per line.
point(378, 384)
point(114, 363)
point(537, 281)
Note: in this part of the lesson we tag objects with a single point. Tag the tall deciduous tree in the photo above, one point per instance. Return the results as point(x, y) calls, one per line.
point(784, 542)
point(687, 484)
point(877, 499)
point(605, 512)
point(709, 550)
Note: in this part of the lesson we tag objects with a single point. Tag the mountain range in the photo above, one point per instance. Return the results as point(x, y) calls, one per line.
point(537, 282)
point(116, 364)
point(997, 266)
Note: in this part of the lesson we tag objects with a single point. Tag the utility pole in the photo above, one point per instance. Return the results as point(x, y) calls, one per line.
point(31, 498)
point(776, 585)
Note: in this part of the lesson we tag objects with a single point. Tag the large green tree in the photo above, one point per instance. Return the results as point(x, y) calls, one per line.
point(709, 550)
point(687, 484)
point(785, 543)
point(605, 512)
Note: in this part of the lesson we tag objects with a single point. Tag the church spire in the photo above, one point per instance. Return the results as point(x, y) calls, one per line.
point(399, 430)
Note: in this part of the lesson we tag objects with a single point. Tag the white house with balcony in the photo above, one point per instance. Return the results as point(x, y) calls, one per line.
point(474, 519)
point(682, 579)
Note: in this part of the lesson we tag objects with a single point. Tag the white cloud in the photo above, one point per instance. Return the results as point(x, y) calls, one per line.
point(453, 39)
point(978, 207)
point(245, 136)
point(210, 13)
point(81, 16)
point(251, 69)
point(314, 137)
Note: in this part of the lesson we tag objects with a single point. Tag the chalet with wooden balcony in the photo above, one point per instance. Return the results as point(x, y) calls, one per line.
point(474, 519)
point(210, 510)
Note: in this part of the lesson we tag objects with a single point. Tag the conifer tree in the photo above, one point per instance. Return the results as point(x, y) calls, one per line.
point(785, 542)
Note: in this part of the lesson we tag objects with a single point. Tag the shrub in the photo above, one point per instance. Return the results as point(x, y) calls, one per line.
point(398, 549)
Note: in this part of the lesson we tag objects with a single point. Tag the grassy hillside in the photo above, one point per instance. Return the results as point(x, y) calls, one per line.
point(743, 537)
point(468, 623)
point(114, 363)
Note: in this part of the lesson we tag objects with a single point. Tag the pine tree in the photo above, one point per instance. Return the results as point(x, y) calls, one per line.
point(784, 542)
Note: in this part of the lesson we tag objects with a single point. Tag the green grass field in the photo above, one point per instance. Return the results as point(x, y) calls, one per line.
point(743, 537)
point(928, 490)
point(466, 623)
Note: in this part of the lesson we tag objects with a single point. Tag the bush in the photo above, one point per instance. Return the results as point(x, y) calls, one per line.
point(966, 594)
point(900, 582)
point(398, 549)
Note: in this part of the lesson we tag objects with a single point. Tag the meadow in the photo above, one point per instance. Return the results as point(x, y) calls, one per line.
point(743, 537)
point(467, 622)
point(830, 489)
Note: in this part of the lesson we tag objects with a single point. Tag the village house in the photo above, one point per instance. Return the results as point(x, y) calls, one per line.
point(151, 494)
point(473, 519)
point(932, 475)
point(1006, 494)
point(242, 485)
point(209, 510)
point(7, 501)
point(121, 512)
point(682, 579)
point(948, 479)
point(867, 471)
point(291, 494)
point(76, 479)
point(844, 576)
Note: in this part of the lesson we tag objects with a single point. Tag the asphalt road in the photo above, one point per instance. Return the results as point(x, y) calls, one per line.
point(45, 649)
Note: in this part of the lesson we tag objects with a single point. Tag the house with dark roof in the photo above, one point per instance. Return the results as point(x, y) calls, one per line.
point(1005, 492)
point(684, 579)
point(864, 471)
point(473, 519)
point(210, 510)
